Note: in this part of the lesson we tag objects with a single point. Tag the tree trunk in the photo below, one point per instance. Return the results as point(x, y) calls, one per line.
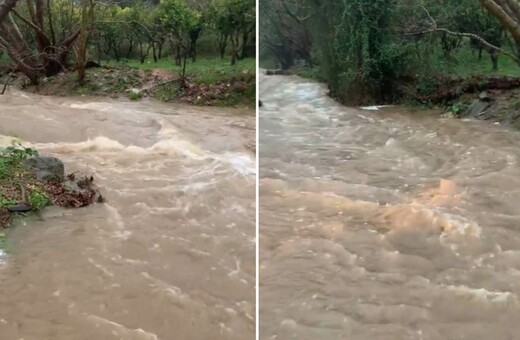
point(5, 7)
point(510, 19)
point(142, 53)
point(130, 47)
point(178, 56)
point(245, 39)
point(234, 47)
point(194, 52)
point(194, 35)
point(154, 52)
point(116, 50)
point(87, 22)
point(222, 44)
point(494, 59)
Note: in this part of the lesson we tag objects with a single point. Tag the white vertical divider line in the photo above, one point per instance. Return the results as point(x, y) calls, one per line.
point(257, 98)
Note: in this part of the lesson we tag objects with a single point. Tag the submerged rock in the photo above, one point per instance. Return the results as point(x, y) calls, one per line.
point(47, 169)
point(478, 108)
point(19, 208)
point(275, 72)
point(484, 96)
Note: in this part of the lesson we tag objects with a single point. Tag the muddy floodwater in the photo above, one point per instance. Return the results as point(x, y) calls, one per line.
point(384, 224)
point(171, 255)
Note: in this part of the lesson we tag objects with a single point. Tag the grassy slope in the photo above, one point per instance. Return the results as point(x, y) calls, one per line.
point(204, 70)
point(207, 71)
point(467, 64)
point(210, 75)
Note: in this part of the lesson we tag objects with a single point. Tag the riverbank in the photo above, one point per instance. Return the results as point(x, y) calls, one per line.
point(208, 82)
point(494, 98)
point(30, 182)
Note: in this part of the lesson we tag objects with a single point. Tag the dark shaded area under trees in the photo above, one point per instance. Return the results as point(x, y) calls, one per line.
point(381, 51)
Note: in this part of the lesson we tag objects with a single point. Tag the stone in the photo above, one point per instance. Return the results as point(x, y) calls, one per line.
point(135, 91)
point(19, 208)
point(49, 169)
point(274, 72)
point(484, 96)
point(477, 108)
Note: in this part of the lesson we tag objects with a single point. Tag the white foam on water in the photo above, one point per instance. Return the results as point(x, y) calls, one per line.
point(3, 256)
point(181, 147)
point(197, 186)
point(458, 225)
point(98, 106)
point(167, 147)
point(240, 162)
point(99, 143)
point(374, 107)
point(483, 295)
point(120, 330)
point(6, 141)
point(120, 228)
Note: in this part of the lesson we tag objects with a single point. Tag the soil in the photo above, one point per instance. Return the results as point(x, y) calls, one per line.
point(135, 84)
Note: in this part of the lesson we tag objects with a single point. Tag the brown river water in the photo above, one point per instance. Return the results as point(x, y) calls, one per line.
point(384, 224)
point(171, 255)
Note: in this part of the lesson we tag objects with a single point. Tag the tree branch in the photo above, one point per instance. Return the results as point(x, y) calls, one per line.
point(5, 7)
point(467, 35)
point(498, 12)
point(28, 22)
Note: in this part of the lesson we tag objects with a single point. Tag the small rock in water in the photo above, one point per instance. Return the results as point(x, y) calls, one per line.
point(47, 169)
point(484, 96)
point(19, 208)
point(274, 72)
point(135, 91)
point(477, 108)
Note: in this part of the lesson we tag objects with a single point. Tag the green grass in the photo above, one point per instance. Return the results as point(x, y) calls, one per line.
point(464, 63)
point(5, 60)
point(204, 70)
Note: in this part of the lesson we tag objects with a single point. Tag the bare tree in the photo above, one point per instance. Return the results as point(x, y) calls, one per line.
point(50, 56)
point(5, 7)
point(507, 12)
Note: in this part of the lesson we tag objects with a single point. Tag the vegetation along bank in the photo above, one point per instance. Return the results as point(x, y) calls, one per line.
point(460, 55)
point(199, 52)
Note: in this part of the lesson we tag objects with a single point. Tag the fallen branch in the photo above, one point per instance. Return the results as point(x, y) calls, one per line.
point(468, 35)
point(452, 88)
point(9, 76)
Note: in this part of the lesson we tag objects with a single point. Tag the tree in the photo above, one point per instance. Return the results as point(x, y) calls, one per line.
point(284, 32)
point(360, 53)
point(5, 7)
point(235, 21)
point(507, 12)
point(51, 55)
point(177, 19)
point(87, 22)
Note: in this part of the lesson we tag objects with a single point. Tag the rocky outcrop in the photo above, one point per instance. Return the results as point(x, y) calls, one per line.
point(275, 72)
point(479, 107)
point(47, 169)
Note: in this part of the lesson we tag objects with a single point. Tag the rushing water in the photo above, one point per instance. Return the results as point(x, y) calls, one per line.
point(171, 255)
point(384, 225)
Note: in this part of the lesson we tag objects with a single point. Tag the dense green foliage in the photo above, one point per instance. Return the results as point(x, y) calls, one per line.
point(366, 50)
point(43, 38)
point(12, 157)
